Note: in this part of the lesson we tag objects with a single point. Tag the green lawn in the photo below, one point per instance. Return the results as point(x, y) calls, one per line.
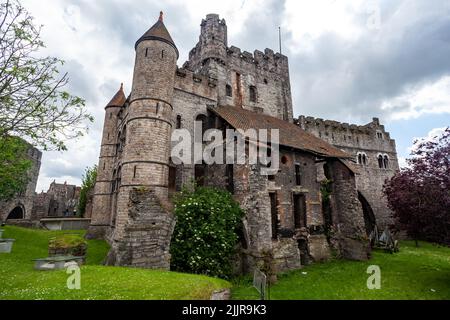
point(18, 280)
point(413, 273)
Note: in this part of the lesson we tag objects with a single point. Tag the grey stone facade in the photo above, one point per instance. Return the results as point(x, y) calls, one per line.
point(366, 143)
point(285, 212)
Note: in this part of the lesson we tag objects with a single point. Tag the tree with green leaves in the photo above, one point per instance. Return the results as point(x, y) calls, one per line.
point(87, 184)
point(33, 102)
point(14, 166)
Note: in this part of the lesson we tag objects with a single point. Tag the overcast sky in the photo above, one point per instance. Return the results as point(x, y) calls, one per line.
point(349, 60)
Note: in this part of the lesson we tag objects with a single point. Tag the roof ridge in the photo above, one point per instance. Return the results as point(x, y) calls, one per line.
point(290, 135)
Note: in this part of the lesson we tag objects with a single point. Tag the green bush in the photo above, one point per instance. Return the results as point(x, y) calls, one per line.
point(205, 236)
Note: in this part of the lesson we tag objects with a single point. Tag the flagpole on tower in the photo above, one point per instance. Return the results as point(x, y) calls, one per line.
point(279, 37)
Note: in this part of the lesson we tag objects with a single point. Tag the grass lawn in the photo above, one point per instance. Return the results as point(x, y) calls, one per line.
point(18, 280)
point(413, 273)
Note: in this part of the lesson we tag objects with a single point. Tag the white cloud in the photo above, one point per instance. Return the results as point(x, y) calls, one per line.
point(340, 66)
point(419, 100)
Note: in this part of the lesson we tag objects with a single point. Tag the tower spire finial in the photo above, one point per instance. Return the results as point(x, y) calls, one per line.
point(161, 16)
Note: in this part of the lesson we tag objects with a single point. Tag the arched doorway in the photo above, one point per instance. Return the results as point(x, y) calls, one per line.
point(369, 217)
point(16, 213)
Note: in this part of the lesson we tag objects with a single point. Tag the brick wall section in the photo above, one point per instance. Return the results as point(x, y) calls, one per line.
point(148, 230)
point(349, 235)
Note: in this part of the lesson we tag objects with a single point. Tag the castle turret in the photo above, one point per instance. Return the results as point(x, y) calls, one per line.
point(101, 211)
point(212, 42)
point(146, 151)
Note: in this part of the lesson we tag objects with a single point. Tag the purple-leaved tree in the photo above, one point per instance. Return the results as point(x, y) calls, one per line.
point(420, 194)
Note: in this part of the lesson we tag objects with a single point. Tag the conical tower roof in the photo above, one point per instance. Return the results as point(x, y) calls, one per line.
point(119, 98)
point(158, 32)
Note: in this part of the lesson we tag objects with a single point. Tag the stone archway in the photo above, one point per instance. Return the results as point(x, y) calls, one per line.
point(369, 217)
point(17, 213)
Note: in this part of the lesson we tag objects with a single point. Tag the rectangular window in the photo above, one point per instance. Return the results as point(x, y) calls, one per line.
point(229, 175)
point(299, 210)
point(298, 175)
point(274, 214)
point(252, 90)
point(229, 91)
point(178, 122)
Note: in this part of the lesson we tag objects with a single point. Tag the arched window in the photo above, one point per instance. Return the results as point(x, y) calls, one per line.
point(386, 162)
point(380, 161)
point(364, 159)
point(252, 91)
point(229, 91)
point(359, 158)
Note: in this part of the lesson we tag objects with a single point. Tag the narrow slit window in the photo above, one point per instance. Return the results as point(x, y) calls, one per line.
point(252, 90)
point(298, 175)
point(299, 210)
point(134, 171)
point(229, 90)
point(274, 214)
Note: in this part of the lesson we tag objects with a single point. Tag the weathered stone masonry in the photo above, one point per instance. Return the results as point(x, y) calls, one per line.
point(226, 88)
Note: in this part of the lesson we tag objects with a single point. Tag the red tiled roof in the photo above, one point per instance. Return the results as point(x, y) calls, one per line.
point(158, 32)
point(119, 98)
point(291, 135)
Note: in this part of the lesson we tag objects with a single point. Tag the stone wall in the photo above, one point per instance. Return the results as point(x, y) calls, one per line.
point(370, 140)
point(348, 231)
point(24, 201)
point(148, 231)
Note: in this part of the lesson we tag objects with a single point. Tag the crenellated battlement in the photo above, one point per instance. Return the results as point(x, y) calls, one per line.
point(195, 82)
point(343, 133)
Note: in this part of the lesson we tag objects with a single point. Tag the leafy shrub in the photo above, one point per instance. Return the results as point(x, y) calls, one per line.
point(205, 235)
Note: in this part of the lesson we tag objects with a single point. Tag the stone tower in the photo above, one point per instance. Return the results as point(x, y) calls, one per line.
point(101, 211)
point(144, 165)
point(213, 38)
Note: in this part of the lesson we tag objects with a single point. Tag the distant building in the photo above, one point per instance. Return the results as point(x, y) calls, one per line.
point(61, 200)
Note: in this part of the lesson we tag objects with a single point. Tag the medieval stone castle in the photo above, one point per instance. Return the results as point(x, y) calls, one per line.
point(225, 88)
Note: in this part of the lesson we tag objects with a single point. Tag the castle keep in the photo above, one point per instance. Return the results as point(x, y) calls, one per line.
point(224, 88)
